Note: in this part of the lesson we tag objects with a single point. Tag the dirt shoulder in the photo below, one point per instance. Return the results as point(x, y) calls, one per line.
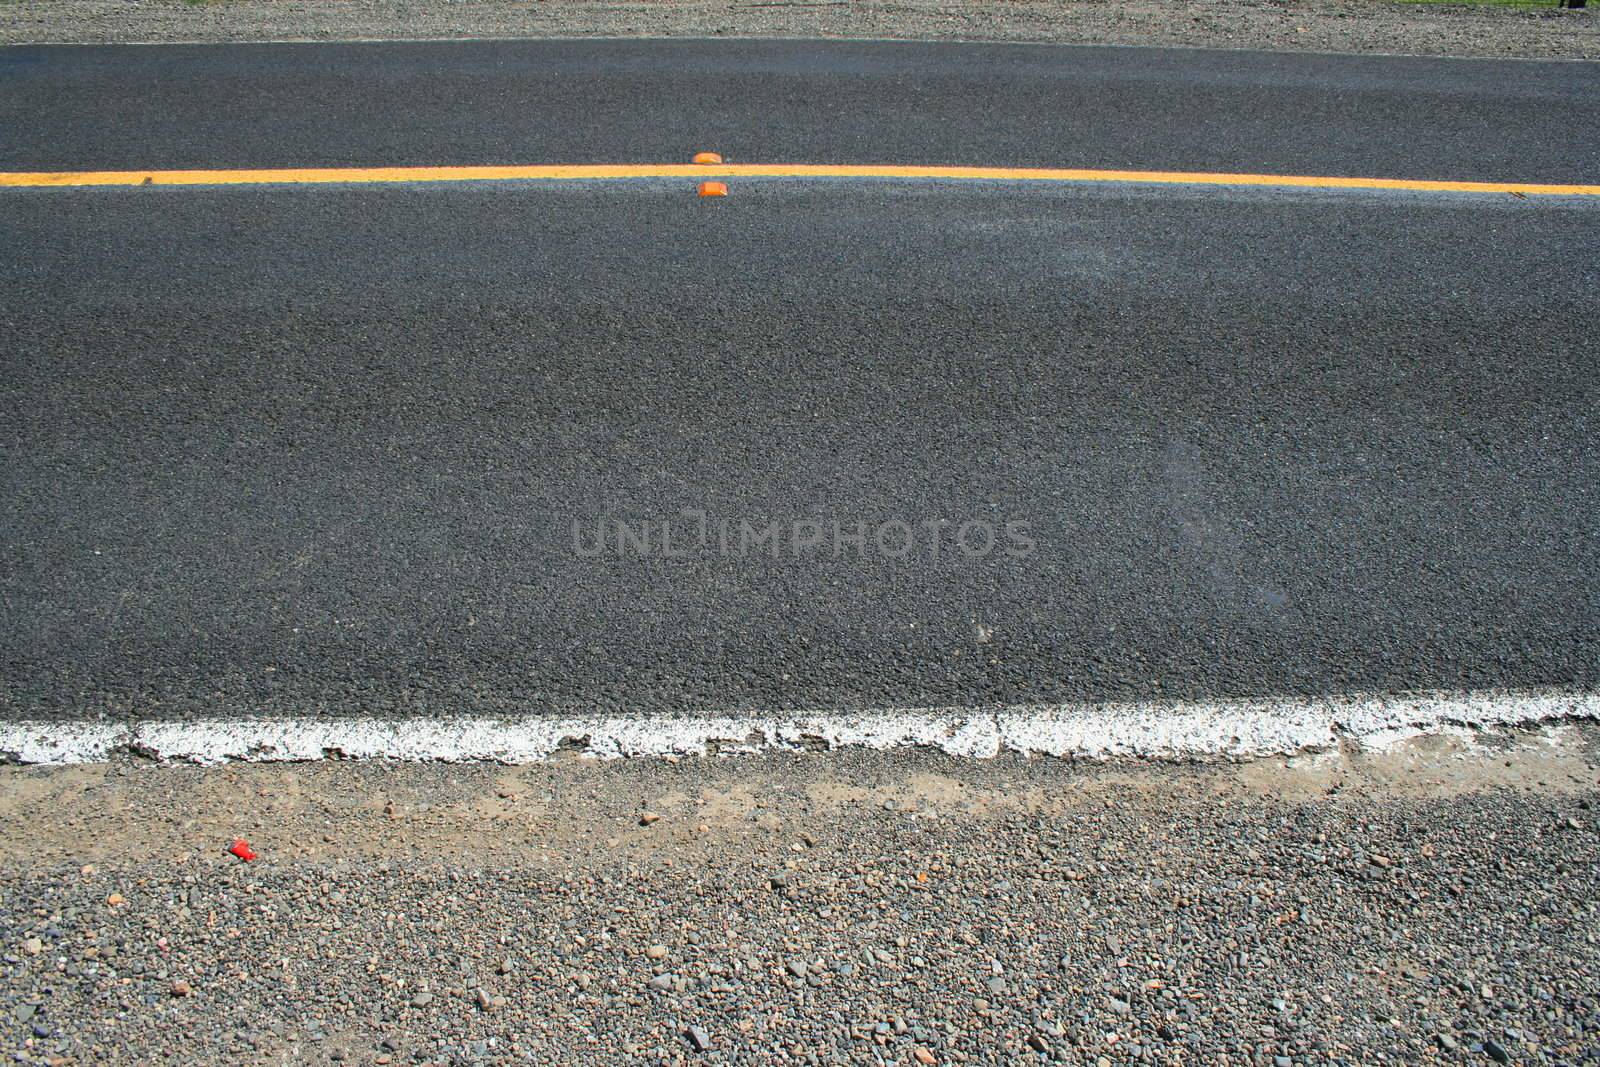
point(580, 810)
point(1433, 902)
point(1359, 26)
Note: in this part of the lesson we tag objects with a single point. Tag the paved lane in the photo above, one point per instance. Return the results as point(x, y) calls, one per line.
point(77, 108)
point(320, 450)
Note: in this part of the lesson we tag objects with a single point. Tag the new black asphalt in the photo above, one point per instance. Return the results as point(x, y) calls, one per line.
point(321, 449)
point(77, 108)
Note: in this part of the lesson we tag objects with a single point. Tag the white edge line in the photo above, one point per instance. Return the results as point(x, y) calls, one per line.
point(1150, 730)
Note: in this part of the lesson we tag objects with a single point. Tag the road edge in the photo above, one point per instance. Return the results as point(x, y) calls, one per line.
point(1165, 731)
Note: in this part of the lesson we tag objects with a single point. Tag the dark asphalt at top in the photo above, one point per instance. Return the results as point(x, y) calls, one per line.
point(795, 102)
point(319, 449)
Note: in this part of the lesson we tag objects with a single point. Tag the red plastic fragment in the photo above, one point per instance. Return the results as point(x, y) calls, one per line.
point(241, 848)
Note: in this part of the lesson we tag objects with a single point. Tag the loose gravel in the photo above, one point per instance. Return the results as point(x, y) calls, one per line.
point(1438, 902)
point(1367, 26)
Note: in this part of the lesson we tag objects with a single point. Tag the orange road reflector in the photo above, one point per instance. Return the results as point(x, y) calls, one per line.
point(713, 189)
point(707, 157)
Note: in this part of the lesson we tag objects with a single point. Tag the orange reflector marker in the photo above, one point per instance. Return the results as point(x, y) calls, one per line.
point(713, 189)
point(707, 157)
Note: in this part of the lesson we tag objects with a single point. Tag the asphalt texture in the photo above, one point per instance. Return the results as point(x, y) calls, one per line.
point(320, 450)
point(77, 108)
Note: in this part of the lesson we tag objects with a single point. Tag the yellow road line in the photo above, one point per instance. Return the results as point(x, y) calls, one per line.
point(363, 175)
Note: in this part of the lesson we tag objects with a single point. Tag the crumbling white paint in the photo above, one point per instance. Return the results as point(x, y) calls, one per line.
point(1150, 730)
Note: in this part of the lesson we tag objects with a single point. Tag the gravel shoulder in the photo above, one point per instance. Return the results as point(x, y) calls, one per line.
point(1433, 901)
point(1361, 26)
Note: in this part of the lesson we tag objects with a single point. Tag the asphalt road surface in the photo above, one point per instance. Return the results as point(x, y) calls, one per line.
point(324, 449)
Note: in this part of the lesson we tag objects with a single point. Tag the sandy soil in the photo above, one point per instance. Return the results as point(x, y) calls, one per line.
point(1365, 26)
point(577, 810)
